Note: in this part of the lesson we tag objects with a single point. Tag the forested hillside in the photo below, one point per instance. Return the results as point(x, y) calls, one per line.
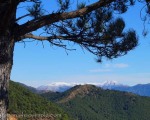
point(21, 100)
point(88, 102)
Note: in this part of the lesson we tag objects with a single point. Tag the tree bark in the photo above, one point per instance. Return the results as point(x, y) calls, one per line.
point(7, 26)
point(6, 62)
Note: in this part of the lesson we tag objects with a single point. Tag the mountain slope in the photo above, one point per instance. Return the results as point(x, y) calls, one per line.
point(21, 100)
point(32, 89)
point(88, 102)
point(63, 86)
point(140, 89)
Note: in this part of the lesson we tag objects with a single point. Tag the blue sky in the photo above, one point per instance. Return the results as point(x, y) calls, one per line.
point(35, 65)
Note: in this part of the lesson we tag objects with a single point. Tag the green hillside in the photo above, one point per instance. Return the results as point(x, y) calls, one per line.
point(21, 100)
point(91, 103)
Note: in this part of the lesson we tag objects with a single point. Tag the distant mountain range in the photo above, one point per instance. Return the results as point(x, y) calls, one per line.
point(63, 86)
point(81, 102)
point(140, 89)
point(88, 102)
point(56, 87)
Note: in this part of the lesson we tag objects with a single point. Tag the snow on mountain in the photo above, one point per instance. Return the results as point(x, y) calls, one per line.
point(110, 85)
point(63, 86)
point(140, 89)
point(56, 87)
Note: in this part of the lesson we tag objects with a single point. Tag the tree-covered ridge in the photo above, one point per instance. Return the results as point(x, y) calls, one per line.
point(23, 101)
point(99, 104)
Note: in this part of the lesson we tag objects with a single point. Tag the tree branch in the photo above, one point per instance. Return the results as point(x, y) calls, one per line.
point(52, 18)
point(49, 39)
point(42, 38)
point(22, 17)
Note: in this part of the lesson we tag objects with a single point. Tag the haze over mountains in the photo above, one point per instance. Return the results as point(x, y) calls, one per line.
point(140, 89)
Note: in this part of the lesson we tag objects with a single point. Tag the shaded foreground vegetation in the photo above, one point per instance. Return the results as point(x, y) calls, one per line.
point(22, 101)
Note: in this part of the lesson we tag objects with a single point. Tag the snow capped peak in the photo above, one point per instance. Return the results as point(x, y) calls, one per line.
point(60, 84)
point(110, 83)
point(57, 86)
point(63, 86)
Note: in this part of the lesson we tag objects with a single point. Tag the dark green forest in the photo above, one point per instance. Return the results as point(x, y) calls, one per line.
point(23, 101)
point(85, 102)
point(92, 103)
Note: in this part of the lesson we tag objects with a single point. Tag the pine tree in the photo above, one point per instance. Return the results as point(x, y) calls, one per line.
point(90, 25)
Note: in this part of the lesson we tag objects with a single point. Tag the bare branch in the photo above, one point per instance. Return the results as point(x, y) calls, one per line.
point(42, 38)
point(50, 39)
point(35, 1)
point(22, 17)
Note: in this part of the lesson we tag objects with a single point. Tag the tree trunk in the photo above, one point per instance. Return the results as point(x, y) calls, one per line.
point(6, 61)
point(7, 29)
